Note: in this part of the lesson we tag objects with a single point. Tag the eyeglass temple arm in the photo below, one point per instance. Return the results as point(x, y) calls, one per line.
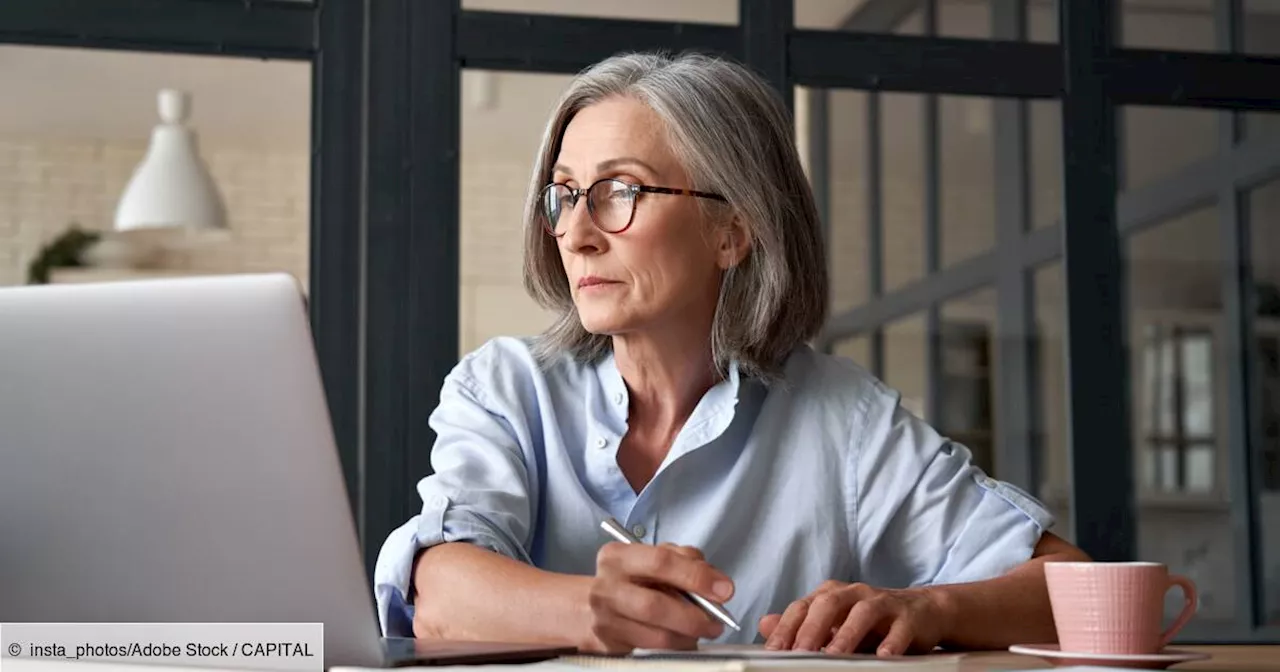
point(677, 192)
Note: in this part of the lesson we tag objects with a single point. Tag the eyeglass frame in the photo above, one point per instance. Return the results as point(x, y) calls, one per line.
point(635, 189)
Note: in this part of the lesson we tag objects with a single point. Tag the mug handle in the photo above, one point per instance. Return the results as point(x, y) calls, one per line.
point(1190, 602)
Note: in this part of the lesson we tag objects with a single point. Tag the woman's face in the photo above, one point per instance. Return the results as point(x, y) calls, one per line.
point(666, 266)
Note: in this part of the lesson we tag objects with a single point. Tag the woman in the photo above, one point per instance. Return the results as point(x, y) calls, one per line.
point(671, 226)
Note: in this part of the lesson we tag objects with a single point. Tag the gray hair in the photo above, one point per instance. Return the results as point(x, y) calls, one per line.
point(733, 136)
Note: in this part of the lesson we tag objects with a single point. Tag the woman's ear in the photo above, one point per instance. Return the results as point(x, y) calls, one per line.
point(733, 244)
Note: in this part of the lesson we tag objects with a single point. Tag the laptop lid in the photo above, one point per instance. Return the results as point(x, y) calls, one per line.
point(167, 457)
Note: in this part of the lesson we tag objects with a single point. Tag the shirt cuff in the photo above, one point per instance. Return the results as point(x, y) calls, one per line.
point(1001, 533)
point(391, 576)
point(439, 522)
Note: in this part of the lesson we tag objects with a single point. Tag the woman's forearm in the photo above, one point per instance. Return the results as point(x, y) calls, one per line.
point(465, 592)
point(1007, 610)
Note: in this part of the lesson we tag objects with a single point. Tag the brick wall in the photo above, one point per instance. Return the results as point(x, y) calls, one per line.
point(46, 184)
point(493, 301)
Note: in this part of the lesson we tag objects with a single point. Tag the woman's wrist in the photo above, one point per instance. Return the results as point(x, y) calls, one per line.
point(945, 608)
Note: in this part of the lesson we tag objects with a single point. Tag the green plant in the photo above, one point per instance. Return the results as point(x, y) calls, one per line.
point(67, 250)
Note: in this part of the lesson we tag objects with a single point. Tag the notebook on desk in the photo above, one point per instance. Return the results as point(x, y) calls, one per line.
point(755, 658)
point(408, 652)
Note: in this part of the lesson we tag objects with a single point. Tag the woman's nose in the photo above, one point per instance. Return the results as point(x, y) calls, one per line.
point(580, 233)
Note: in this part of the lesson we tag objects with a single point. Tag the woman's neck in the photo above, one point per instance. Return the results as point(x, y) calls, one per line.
point(667, 373)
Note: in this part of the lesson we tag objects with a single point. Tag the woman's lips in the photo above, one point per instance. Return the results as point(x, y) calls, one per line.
point(591, 281)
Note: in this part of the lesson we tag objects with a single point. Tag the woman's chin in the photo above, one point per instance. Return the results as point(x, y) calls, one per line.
point(601, 325)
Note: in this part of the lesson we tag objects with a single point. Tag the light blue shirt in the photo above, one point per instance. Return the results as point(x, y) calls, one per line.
point(822, 476)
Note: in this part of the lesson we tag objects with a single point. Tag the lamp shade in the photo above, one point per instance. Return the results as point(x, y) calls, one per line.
point(172, 186)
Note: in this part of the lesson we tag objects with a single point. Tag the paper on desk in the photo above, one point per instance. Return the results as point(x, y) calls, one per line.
point(1073, 668)
point(757, 657)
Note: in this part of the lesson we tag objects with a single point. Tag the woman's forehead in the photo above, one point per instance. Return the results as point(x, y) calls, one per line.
point(613, 129)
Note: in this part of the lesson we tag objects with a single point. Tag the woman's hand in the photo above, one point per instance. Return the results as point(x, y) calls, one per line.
point(634, 603)
point(847, 617)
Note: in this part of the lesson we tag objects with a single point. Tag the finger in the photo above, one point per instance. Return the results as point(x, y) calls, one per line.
point(768, 623)
point(828, 586)
point(660, 608)
point(862, 619)
point(689, 552)
point(622, 635)
point(898, 640)
point(825, 612)
point(784, 634)
point(661, 564)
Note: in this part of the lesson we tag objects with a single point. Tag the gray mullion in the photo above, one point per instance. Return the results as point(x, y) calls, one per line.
point(1015, 393)
point(932, 232)
point(764, 28)
point(337, 233)
point(1101, 456)
point(819, 146)
point(1237, 323)
point(1242, 406)
point(955, 280)
point(875, 225)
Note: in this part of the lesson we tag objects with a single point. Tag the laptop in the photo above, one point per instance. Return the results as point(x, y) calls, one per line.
point(168, 457)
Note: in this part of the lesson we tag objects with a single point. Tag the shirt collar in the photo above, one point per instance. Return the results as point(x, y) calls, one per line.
point(722, 396)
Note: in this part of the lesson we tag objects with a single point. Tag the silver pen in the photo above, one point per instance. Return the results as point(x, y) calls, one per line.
point(720, 613)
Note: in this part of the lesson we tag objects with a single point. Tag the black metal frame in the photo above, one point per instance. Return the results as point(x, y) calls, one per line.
point(384, 265)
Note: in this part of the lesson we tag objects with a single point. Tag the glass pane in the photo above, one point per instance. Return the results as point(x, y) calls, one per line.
point(1174, 290)
point(503, 116)
point(1046, 162)
point(1042, 21)
point(1263, 208)
point(967, 395)
point(840, 15)
point(902, 117)
point(1261, 125)
point(1262, 27)
point(857, 348)
point(1147, 470)
point(905, 363)
point(1174, 274)
point(703, 11)
point(1199, 468)
point(1165, 396)
point(77, 123)
point(1185, 25)
point(1050, 391)
point(912, 25)
point(1156, 417)
point(847, 191)
point(964, 18)
point(1159, 141)
point(967, 177)
point(1168, 480)
point(1197, 385)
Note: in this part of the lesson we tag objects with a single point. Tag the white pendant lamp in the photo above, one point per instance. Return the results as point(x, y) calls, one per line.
point(172, 187)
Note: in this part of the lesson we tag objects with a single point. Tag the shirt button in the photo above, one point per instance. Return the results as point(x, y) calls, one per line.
point(989, 482)
point(601, 442)
point(617, 398)
point(638, 530)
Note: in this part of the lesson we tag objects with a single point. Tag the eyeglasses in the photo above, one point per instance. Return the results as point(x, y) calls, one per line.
point(611, 203)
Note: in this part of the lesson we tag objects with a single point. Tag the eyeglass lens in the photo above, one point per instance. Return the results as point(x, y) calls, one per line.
point(609, 203)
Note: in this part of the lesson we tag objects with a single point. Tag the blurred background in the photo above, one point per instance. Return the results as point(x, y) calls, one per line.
point(379, 151)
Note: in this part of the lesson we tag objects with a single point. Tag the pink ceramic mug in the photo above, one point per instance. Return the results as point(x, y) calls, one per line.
point(1115, 607)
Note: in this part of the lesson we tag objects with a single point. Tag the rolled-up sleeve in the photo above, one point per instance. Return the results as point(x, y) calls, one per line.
point(479, 493)
point(924, 514)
